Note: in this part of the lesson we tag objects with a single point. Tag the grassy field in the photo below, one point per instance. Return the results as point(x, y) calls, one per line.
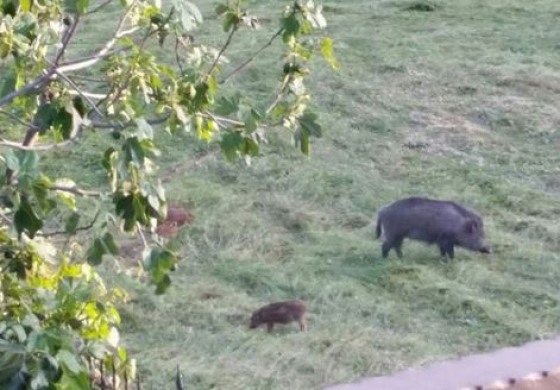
point(459, 101)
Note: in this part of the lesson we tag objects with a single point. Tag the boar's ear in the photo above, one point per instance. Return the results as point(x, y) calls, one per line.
point(471, 226)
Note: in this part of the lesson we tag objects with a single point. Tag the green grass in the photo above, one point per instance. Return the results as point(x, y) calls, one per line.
point(455, 100)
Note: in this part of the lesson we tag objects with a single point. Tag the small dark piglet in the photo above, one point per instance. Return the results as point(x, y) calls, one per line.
point(280, 313)
point(441, 222)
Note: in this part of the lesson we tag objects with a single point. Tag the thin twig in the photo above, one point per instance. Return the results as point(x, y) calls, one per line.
point(105, 49)
point(88, 94)
point(185, 166)
point(122, 126)
point(6, 219)
point(219, 119)
point(81, 228)
point(66, 39)
point(141, 234)
point(17, 119)
point(276, 101)
point(99, 7)
point(177, 58)
point(35, 84)
point(20, 146)
point(250, 59)
point(78, 90)
point(81, 63)
point(222, 50)
point(75, 190)
point(119, 90)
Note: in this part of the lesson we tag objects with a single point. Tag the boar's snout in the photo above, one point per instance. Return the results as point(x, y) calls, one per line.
point(485, 249)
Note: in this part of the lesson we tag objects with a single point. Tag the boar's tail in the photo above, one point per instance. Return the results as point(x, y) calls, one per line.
point(378, 228)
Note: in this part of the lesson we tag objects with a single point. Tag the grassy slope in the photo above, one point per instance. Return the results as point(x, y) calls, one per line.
point(458, 103)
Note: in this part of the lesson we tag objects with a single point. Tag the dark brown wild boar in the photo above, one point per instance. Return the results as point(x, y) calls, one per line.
point(440, 222)
point(280, 313)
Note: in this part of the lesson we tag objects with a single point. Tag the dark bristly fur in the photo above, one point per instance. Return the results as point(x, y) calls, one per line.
point(440, 222)
point(280, 313)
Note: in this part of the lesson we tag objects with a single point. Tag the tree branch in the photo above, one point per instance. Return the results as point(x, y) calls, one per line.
point(122, 126)
point(81, 228)
point(222, 50)
point(105, 49)
point(177, 58)
point(76, 191)
point(6, 219)
point(66, 38)
point(35, 84)
point(250, 59)
point(82, 63)
point(19, 146)
point(49, 75)
point(219, 119)
point(17, 119)
point(99, 7)
point(141, 233)
point(77, 89)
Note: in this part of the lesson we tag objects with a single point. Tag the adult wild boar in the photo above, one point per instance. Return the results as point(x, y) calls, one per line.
point(440, 222)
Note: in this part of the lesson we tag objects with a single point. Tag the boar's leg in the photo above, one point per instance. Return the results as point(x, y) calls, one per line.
point(391, 242)
point(446, 246)
point(398, 247)
point(303, 324)
point(269, 326)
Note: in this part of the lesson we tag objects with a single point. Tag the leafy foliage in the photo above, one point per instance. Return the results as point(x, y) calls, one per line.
point(55, 311)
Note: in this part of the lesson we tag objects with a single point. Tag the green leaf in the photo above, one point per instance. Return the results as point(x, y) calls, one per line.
point(25, 5)
point(71, 381)
point(304, 142)
point(44, 117)
point(124, 208)
point(6, 347)
point(231, 144)
point(73, 6)
point(315, 17)
point(226, 106)
point(280, 110)
point(97, 350)
point(79, 104)
point(291, 27)
point(101, 246)
point(82, 6)
point(189, 14)
point(39, 381)
point(134, 152)
point(308, 123)
point(145, 130)
point(20, 332)
point(328, 53)
point(109, 243)
point(28, 164)
point(8, 7)
point(72, 223)
point(95, 253)
point(231, 19)
point(25, 219)
point(69, 360)
point(41, 192)
point(11, 370)
point(163, 285)
point(67, 120)
point(9, 80)
point(221, 9)
point(12, 160)
point(28, 159)
point(158, 262)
